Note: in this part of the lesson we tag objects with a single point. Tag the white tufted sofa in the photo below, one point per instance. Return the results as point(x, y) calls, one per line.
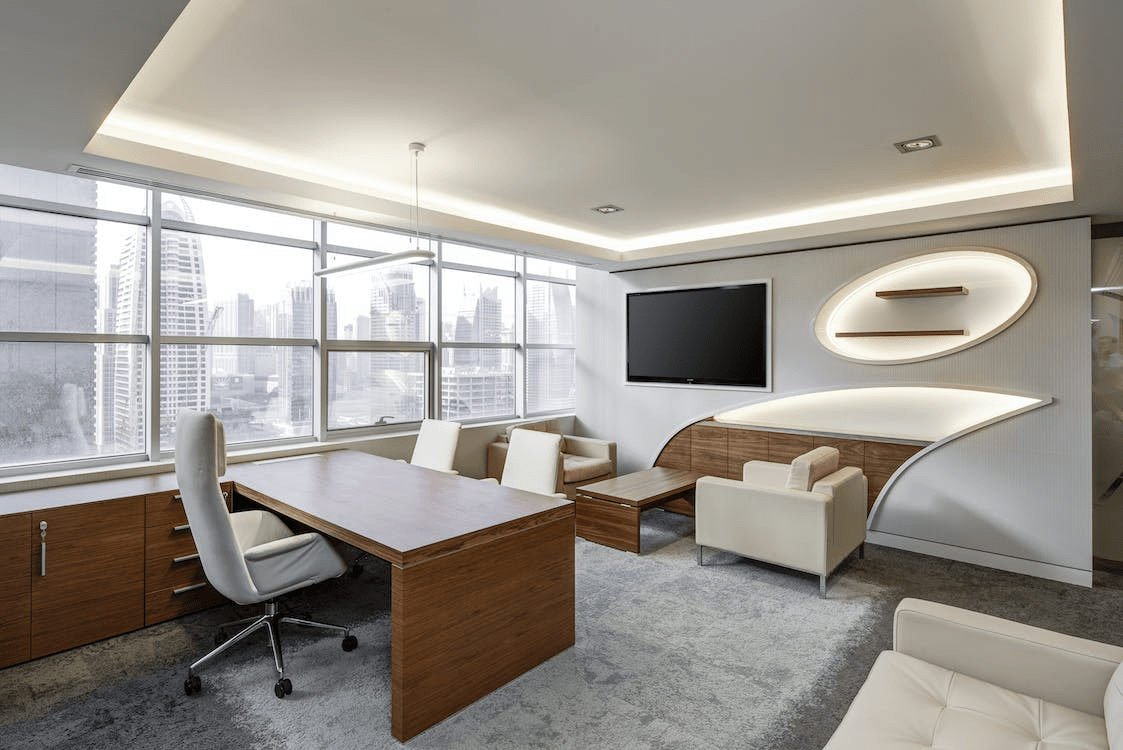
point(961, 679)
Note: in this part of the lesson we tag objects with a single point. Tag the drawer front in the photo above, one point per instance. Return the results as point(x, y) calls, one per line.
point(166, 604)
point(166, 509)
point(173, 572)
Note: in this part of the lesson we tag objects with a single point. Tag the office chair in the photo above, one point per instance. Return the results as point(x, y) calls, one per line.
point(250, 556)
point(534, 462)
point(436, 445)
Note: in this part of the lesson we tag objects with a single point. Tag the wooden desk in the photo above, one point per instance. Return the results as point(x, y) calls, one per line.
point(482, 583)
point(608, 511)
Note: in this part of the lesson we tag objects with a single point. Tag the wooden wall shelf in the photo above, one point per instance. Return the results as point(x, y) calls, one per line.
point(934, 291)
point(871, 334)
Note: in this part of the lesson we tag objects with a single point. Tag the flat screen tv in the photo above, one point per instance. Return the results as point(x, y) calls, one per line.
point(717, 335)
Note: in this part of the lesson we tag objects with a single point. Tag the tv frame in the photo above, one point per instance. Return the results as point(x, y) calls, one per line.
point(767, 387)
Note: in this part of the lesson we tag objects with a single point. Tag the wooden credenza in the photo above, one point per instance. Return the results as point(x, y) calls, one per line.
point(107, 566)
point(719, 449)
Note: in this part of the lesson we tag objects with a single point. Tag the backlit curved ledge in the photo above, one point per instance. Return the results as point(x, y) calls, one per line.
point(924, 414)
point(927, 306)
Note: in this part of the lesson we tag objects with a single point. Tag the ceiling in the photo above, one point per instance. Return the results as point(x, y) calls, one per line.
point(721, 127)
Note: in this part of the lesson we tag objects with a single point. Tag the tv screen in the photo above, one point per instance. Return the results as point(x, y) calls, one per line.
point(703, 336)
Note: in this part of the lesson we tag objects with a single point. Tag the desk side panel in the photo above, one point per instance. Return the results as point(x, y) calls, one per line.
point(469, 622)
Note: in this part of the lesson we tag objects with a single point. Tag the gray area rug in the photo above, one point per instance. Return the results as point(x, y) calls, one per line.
point(735, 654)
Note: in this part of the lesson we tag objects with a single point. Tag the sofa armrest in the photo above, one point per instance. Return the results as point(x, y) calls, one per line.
point(591, 448)
point(496, 458)
point(1059, 668)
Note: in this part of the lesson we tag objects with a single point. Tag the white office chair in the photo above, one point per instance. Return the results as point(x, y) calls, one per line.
point(250, 556)
point(436, 445)
point(534, 462)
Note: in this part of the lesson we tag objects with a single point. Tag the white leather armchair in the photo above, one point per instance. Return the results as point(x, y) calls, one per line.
point(251, 556)
point(808, 516)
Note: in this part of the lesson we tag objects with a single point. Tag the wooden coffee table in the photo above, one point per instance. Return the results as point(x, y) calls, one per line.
point(608, 511)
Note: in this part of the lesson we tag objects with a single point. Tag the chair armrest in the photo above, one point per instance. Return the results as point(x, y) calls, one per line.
point(496, 458)
point(490, 480)
point(1059, 668)
point(591, 448)
point(279, 547)
point(765, 473)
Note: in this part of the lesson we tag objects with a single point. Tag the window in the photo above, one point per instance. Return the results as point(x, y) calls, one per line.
point(378, 333)
point(67, 338)
point(550, 340)
point(478, 333)
point(95, 364)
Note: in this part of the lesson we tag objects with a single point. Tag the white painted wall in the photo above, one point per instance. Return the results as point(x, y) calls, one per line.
point(1015, 495)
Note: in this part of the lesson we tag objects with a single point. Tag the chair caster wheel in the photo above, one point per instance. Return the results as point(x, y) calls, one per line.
point(192, 685)
point(356, 570)
point(283, 688)
point(220, 638)
point(350, 643)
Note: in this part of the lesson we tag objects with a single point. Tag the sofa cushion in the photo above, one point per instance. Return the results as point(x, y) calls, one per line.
point(581, 468)
point(1113, 709)
point(812, 466)
point(909, 703)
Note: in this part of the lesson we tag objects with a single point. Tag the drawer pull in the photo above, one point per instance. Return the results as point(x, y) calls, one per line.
point(186, 589)
point(182, 527)
point(186, 558)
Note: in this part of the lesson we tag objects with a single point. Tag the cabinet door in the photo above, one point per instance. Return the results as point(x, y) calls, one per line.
point(15, 589)
point(93, 586)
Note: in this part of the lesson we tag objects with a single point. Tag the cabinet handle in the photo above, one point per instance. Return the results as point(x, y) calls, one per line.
point(186, 558)
point(185, 589)
point(177, 498)
point(43, 548)
point(182, 527)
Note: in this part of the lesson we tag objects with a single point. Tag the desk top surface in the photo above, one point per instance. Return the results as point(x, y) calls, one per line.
point(399, 512)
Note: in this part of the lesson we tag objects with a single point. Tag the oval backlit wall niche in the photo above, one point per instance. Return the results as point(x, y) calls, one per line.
point(926, 307)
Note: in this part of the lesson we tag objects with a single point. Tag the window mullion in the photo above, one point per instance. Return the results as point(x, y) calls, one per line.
point(152, 392)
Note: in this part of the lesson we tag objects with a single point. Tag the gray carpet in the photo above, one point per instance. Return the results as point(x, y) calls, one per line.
point(735, 654)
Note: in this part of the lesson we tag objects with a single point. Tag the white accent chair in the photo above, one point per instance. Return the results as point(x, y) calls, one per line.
point(808, 516)
point(250, 557)
point(961, 679)
point(534, 462)
point(436, 445)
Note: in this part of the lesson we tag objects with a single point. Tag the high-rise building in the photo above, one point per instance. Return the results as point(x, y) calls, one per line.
point(184, 369)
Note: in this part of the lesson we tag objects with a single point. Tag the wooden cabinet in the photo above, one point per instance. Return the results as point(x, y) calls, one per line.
point(721, 450)
point(174, 582)
point(15, 589)
point(87, 583)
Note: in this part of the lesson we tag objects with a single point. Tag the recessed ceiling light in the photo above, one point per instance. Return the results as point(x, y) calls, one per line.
point(607, 208)
point(917, 144)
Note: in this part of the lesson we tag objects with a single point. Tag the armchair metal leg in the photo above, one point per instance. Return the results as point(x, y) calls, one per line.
point(822, 585)
point(700, 555)
point(862, 551)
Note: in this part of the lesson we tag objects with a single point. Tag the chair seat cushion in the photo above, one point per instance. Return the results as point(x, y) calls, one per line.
point(909, 703)
point(581, 468)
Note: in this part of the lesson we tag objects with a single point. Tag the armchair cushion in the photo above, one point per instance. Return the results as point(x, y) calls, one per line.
point(583, 468)
point(812, 466)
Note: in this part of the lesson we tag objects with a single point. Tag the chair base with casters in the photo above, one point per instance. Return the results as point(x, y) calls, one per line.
point(271, 621)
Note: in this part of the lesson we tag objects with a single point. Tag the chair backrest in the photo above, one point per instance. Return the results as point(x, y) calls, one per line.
point(436, 444)
point(200, 455)
point(534, 462)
